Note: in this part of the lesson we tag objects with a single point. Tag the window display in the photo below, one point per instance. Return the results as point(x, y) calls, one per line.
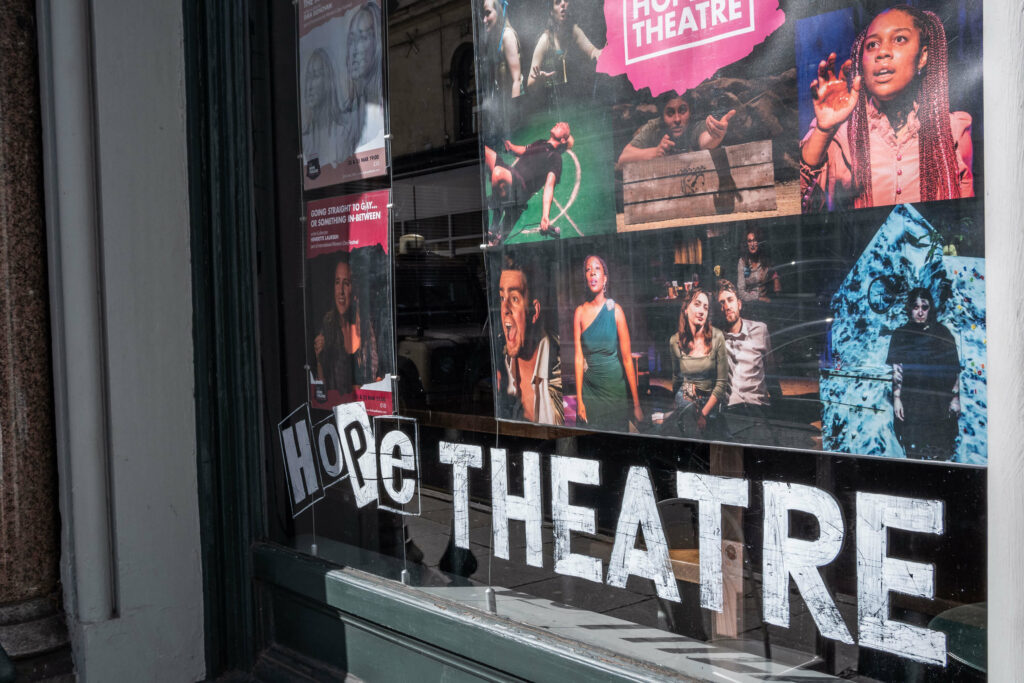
point(699, 260)
point(706, 313)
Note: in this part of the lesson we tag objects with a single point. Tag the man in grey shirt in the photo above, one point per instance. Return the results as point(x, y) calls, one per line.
point(749, 348)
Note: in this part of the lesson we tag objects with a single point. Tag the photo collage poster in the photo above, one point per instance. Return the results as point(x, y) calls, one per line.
point(341, 94)
point(348, 302)
point(753, 222)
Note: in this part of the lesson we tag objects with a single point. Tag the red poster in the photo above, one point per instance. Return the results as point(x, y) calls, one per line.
point(348, 292)
point(347, 223)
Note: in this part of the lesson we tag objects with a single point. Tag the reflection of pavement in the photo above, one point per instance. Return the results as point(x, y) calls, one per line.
point(630, 621)
point(681, 655)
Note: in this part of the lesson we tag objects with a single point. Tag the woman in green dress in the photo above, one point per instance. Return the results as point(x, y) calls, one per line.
point(603, 361)
point(700, 369)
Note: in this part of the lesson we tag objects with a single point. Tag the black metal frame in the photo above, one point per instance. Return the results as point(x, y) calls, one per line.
point(217, 53)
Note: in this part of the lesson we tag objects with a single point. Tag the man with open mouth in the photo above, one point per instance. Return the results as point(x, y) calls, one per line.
point(530, 383)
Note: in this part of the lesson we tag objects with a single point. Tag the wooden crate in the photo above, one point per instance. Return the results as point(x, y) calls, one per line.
point(723, 180)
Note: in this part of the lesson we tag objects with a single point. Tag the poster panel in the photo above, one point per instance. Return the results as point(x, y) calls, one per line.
point(340, 91)
point(724, 111)
point(797, 259)
point(348, 297)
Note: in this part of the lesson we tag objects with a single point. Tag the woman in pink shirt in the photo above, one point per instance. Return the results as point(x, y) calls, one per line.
point(887, 136)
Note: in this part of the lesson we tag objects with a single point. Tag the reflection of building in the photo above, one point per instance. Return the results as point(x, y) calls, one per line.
point(856, 389)
point(433, 93)
point(430, 42)
point(443, 353)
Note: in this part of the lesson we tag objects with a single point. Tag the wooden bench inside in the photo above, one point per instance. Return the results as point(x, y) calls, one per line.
point(686, 567)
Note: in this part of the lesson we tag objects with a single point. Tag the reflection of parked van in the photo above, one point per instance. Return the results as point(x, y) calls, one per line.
point(799, 317)
point(443, 353)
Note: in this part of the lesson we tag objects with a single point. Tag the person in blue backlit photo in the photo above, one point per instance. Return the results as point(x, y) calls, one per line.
point(925, 381)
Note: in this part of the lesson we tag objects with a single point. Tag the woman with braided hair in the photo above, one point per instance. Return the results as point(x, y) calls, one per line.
point(883, 133)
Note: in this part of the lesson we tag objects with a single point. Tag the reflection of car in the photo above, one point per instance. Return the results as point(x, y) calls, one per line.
point(443, 352)
point(799, 317)
point(818, 276)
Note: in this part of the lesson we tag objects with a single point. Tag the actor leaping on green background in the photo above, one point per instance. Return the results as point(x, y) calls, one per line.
point(539, 165)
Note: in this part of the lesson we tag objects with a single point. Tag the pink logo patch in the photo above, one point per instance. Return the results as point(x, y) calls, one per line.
point(677, 44)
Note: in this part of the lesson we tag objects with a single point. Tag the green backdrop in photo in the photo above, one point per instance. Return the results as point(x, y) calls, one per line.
point(593, 210)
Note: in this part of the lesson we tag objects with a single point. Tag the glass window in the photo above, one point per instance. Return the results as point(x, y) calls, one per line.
point(696, 355)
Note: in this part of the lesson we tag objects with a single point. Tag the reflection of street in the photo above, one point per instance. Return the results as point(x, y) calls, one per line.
point(679, 655)
point(631, 622)
point(443, 350)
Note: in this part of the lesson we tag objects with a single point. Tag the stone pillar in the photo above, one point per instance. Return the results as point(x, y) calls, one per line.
point(32, 628)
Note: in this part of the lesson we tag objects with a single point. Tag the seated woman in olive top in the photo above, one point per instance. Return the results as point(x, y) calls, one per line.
point(700, 369)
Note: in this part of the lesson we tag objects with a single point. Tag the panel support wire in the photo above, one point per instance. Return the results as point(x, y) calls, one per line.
point(489, 594)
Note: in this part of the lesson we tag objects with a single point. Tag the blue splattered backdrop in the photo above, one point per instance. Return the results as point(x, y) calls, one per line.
point(856, 384)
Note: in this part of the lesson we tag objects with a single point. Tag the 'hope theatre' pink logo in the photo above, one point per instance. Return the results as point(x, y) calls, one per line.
point(676, 44)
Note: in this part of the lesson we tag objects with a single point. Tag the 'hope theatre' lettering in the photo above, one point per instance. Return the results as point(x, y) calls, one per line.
point(659, 26)
point(381, 462)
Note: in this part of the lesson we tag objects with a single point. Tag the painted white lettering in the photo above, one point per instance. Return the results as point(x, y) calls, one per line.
point(641, 5)
point(638, 28)
point(711, 493)
point(302, 471)
point(785, 556)
point(655, 28)
point(460, 457)
point(357, 445)
point(568, 518)
point(330, 444)
point(735, 11)
point(406, 463)
point(670, 25)
point(525, 508)
point(702, 8)
point(639, 512)
point(878, 575)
